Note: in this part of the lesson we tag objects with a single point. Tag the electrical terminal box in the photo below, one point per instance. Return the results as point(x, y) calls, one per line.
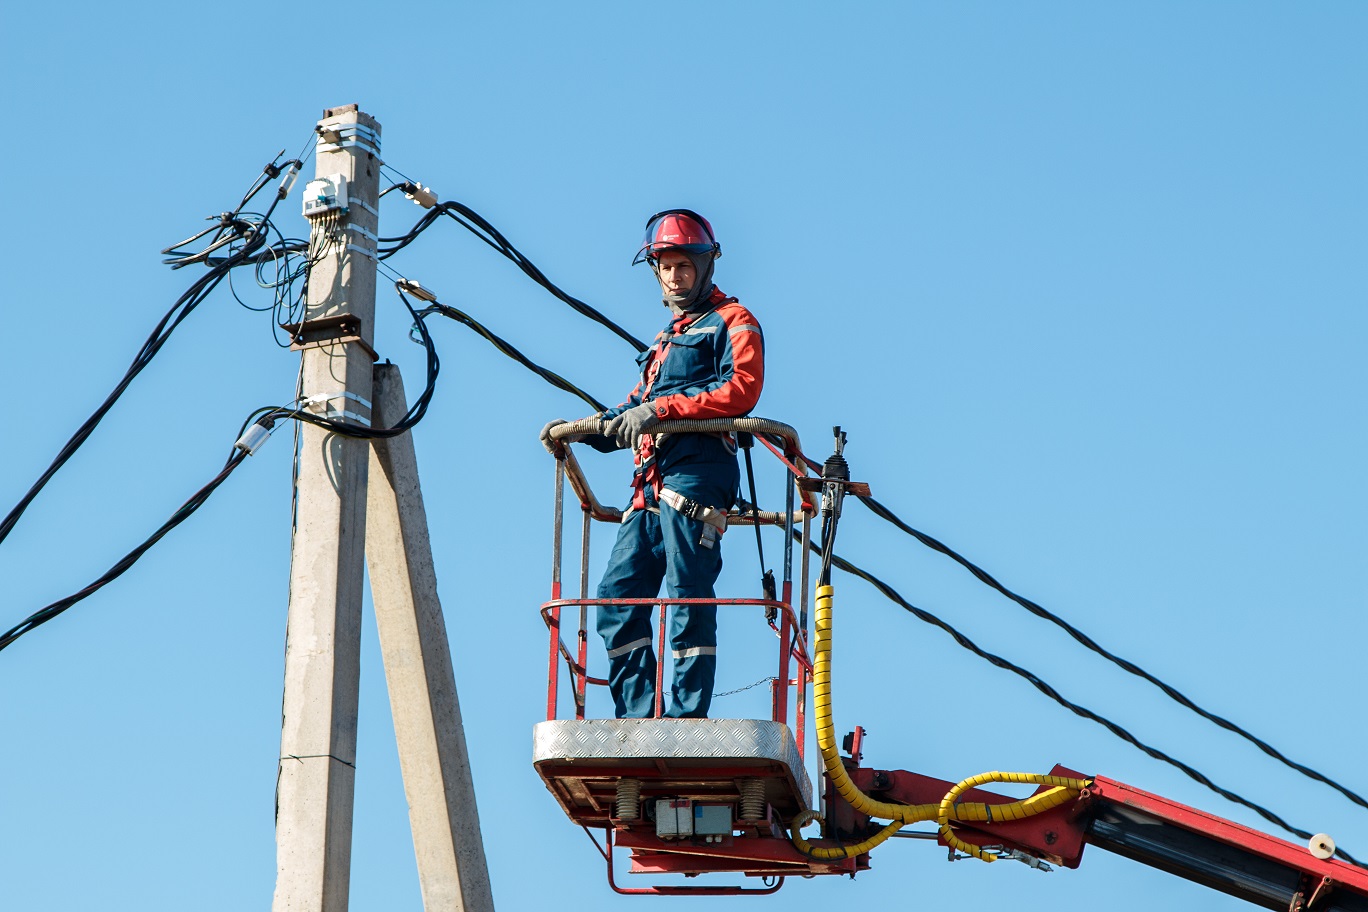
point(325, 194)
point(678, 818)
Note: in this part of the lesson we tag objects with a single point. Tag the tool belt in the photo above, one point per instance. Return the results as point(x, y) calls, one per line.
point(714, 520)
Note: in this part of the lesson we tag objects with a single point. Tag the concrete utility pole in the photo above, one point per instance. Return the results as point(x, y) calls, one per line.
point(317, 779)
point(418, 670)
point(323, 633)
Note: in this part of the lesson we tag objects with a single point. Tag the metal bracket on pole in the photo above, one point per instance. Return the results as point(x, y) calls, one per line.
point(331, 330)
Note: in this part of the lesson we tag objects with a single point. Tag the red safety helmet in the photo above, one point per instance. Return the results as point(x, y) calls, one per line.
point(677, 229)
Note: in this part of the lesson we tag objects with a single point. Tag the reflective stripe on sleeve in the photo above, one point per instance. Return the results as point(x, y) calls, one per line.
point(743, 327)
point(694, 651)
point(629, 647)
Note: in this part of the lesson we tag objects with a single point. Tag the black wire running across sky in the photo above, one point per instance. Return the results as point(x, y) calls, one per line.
point(496, 240)
point(236, 239)
point(239, 239)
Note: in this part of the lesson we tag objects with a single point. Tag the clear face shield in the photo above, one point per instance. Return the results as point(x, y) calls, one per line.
point(677, 229)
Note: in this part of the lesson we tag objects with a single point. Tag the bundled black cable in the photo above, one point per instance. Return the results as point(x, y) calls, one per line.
point(186, 510)
point(829, 558)
point(245, 238)
point(298, 412)
point(1126, 665)
point(505, 348)
point(476, 224)
point(1035, 680)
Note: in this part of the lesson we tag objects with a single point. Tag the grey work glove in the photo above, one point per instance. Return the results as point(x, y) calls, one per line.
point(545, 435)
point(631, 424)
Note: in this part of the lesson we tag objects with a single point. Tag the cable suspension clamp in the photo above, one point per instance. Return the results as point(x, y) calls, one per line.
point(337, 329)
point(321, 398)
point(320, 404)
point(413, 287)
point(341, 136)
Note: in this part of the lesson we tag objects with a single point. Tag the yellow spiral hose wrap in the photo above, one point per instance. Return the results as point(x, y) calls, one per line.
point(944, 813)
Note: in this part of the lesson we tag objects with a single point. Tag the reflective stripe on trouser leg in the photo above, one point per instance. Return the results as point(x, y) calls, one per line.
point(635, 570)
point(691, 569)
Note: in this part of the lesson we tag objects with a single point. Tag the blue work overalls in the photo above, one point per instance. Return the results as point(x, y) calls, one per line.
point(665, 546)
point(702, 366)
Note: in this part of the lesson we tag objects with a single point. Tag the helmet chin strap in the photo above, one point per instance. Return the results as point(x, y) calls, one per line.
point(697, 296)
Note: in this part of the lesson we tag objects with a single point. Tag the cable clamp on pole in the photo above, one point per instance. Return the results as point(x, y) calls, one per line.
point(351, 143)
point(321, 398)
point(319, 405)
point(337, 137)
point(368, 235)
point(344, 415)
point(364, 205)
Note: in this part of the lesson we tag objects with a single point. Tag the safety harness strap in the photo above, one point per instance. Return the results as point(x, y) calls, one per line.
point(714, 520)
point(694, 510)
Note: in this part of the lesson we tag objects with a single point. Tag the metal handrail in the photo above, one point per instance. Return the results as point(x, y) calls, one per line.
point(792, 617)
point(603, 513)
point(791, 646)
point(594, 425)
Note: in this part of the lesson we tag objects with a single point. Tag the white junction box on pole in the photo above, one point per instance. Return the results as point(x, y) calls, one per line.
point(326, 193)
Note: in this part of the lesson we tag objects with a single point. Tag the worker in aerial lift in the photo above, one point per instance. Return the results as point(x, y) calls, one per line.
point(708, 362)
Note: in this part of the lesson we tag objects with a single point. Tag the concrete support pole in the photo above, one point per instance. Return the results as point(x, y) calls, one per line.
point(418, 671)
point(316, 780)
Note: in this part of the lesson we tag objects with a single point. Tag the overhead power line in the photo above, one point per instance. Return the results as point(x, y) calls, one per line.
point(186, 510)
point(476, 224)
point(883, 512)
point(1088, 642)
point(505, 348)
point(234, 240)
point(1039, 684)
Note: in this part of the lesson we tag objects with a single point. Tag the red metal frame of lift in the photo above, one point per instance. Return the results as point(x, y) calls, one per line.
point(763, 857)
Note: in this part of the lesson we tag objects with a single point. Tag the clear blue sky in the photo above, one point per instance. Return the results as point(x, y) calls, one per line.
point(1082, 281)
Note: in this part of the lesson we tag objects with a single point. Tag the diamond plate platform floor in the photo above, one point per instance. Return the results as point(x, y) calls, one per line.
point(701, 759)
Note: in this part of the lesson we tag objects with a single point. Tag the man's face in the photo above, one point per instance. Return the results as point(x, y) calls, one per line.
point(677, 273)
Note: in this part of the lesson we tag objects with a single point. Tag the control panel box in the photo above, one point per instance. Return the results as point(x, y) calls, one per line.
point(681, 818)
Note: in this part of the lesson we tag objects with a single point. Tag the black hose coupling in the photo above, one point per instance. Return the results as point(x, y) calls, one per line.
point(836, 467)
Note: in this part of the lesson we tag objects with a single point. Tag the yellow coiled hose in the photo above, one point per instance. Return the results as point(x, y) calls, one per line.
point(1065, 789)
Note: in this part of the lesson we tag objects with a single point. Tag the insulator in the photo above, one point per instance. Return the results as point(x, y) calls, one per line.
point(752, 798)
point(629, 799)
